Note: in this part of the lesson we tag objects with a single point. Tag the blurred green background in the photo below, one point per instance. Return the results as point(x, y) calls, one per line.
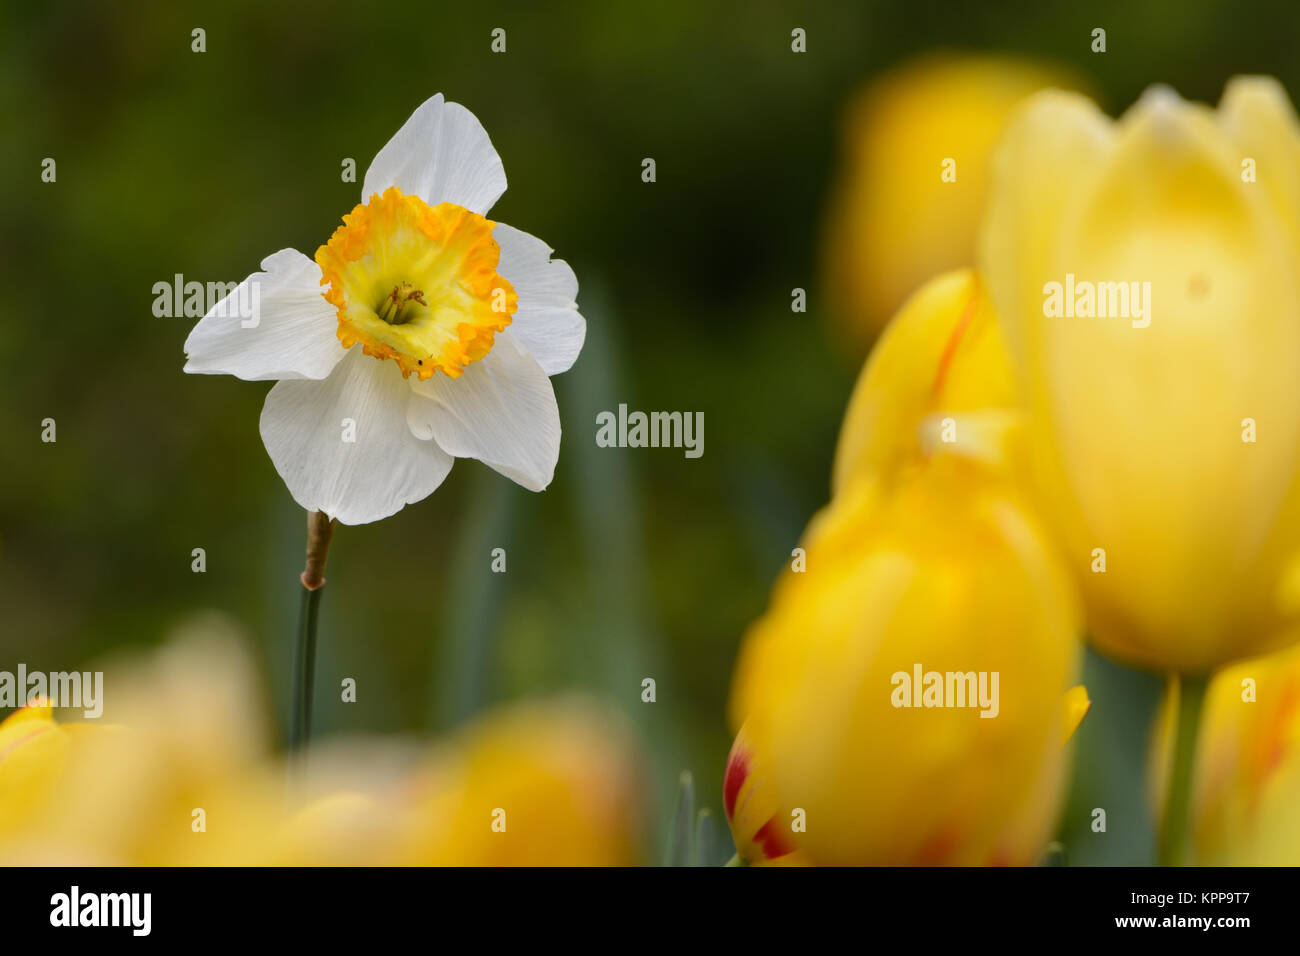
point(634, 563)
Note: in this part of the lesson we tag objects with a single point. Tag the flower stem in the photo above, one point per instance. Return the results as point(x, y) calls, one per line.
point(320, 530)
point(1174, 830)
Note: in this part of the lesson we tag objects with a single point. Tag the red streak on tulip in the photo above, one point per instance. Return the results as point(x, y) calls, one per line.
point(22, 740)
point(954, 340)
point(937, 849)
point(1275, 731)
point(733, 779)
point(773, 842)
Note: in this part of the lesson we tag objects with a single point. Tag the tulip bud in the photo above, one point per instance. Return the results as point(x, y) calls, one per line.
point(1247, 782)
point(914, 176)
point(905, 690)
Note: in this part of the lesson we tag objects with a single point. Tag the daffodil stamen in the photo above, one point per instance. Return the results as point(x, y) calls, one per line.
point(392, 310)
point(416, 283)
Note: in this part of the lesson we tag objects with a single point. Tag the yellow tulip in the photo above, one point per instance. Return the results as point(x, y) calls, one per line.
point(184, 736)
point(184, 777)
point(1150, 297)
point(757, 819)
point(33, 752)
point(1246, 792)
point(944, 572)
point(552, 784)
point(894, 221)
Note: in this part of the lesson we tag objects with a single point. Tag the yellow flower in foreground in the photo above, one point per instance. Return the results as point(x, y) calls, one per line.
point(1246, 794)
point(33, 753)
point(1146, 274)
point(877, 759)
point(552, 783)
point(895, 222)
point(184, 778)
point(540, 784)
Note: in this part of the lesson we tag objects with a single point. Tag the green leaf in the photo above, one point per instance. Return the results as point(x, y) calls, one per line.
point(681, 839)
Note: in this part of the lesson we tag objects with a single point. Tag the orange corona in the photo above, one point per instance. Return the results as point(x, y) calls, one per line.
point(416, 283)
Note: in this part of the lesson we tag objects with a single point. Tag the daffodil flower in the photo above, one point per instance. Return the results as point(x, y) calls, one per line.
point(421, 332)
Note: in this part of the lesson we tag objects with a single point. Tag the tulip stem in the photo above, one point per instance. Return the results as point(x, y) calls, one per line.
point(320, 530)
point(1174, 831)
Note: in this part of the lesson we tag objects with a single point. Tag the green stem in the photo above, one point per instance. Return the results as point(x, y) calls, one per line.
point(1174, 831)
point(304, 668)
point(320, 531)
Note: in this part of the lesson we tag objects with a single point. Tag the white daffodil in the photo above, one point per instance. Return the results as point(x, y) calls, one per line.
point(422, 332)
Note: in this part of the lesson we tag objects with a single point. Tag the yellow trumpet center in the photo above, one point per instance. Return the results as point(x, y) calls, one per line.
point(416, 283)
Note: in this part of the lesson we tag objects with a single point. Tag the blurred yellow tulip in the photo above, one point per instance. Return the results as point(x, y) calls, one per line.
point(184, 748)
point(924, 609)
point(184, 777)
point(34, 751)
point(1246, 792)
point(552, 784)
point(1150, 298)
point(894, 221)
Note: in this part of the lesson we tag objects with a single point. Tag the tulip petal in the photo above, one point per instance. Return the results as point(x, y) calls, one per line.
point(1256, 112)
point(946, 573)
point(441, 154)
point(1077, 706)
point(501, 411)
point(343, 446)
point(286, 329)
point(547, 322)
point(1053, 138)
point(759, 824)
point(33, 754)
point(941, 357)
point(1135, 419)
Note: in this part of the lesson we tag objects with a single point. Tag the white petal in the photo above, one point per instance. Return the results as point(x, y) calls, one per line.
point(501, 411)
point(275, 325)
point(441, 154)
point(546, 322)
point(304, 427)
